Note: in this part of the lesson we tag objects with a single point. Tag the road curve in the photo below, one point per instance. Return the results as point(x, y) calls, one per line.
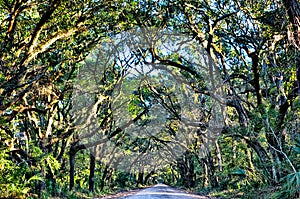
point(162, 191)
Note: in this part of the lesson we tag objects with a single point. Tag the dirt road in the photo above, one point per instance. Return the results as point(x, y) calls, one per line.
point(161, 191)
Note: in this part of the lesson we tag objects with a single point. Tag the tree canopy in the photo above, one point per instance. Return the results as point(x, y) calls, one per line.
point(97, 96)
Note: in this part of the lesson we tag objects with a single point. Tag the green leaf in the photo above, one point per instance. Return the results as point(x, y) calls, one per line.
point(35, 177)
point(296, 149)
point(239, 172)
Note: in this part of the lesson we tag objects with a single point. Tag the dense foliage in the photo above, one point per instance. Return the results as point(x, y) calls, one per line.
point(61, 130)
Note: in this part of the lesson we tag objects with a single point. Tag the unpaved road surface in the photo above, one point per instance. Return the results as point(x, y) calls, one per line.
point(160, 191)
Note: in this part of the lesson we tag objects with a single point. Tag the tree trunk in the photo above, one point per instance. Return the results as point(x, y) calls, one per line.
point(293, 10)
point(250, 159)
point(191, 170)
point(105, 172)
point(211, 170)
point(148, 176)
point(263, 156)
point(92, 170)
point(255, 70)
point(140, 179)
point(72, 169)
point(205, 174)
point(219, 156)
point(42, 184)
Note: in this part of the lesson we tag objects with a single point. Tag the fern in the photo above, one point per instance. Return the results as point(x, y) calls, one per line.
point(290, 188)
